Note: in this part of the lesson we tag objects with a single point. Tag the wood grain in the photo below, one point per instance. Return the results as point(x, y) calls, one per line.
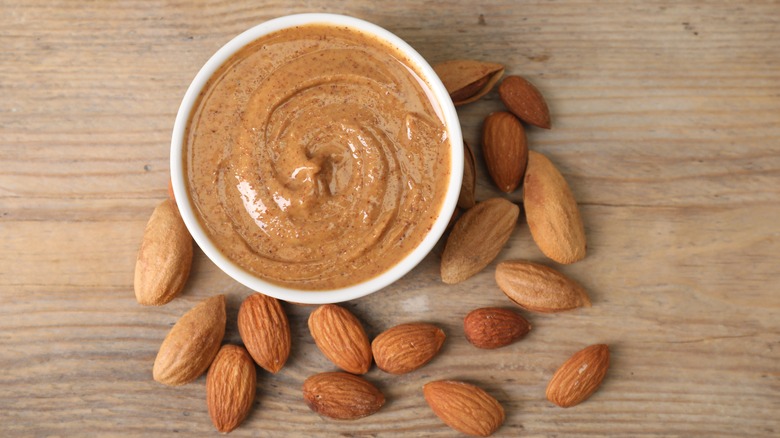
point(666, 120)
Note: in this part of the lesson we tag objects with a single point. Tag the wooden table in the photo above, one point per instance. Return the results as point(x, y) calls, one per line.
point(666, 122)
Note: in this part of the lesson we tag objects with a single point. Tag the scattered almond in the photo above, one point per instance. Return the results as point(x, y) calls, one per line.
point(468, 80)
point(477, 238)
point(406, 347)
point(192, 343)
point(265, 330)
point(579, 377)
point(164, 260)
point(525, 101)
point(494, 327)
point(505, 150)
point(539, 288)
point(551, 211)
point(341, 338)
point(342, 396)
point(464, 407)
point(231, 385)
point(468, 188)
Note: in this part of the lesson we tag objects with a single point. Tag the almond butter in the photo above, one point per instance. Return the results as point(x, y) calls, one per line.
point(265, 330)
point(464, 407)
point(231, 385)
point(477, 238)
point(341, 338)
point(505, 150)
point(342, 396)
point(579, 377)
point(525, 101)
point(407, 347)
point(190, 346)
point(469, 185)
point(164, 260)
point(539, 288)
point(494, 327)
point(468, 80)
point(551, 211)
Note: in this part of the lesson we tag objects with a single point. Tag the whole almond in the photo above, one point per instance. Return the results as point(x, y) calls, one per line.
point(341, 338)
point(165, 257)
point(505, 150)
point(342, 396)
point(551, 211)
point(525, 101)
point(477, 238)
point(265, 330)
point(579, 377)
point(494, 327)
point(539, 288)
point(467, 80)
point(231, 385)
point(406, 347)
point(190, 346)
point(464, 407)
point(468, 188)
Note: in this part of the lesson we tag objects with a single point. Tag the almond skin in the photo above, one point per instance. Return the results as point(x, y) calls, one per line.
point(341, 338)
point(464, 407)
point(539, 288)
point(406, 347)
point(164, 260)
point(579, 377)
point(494, 327)
point(477, 238)
point(342, 396)
point(525, 101)
point(468, 188)
point(265, 330)
point(505, 150)
point(551, 211)
point(468, 80)
point(231, 385)
point(190, 346)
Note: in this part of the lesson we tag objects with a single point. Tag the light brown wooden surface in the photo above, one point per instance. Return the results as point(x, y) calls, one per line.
point(666, 123)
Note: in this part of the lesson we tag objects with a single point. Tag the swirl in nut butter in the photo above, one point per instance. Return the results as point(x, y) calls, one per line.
point(317, 158)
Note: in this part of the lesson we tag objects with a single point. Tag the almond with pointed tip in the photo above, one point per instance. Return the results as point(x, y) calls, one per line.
point(265, 330)
point(190, 346)
point(477, 238)
point(469, 185)
point(551, 211)
point(539, 288)
point(341, 338)
point(231, 385)
point(464, 407)
point(342, 396)
point(525, 101)
point(407, 347)
point(494, 327)
point(468, 80)
point(505, 150)
point(579, 377)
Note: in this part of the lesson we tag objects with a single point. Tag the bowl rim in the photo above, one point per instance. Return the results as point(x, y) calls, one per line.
point(303, 296)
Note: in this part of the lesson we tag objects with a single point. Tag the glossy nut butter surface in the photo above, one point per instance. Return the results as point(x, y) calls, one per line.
point(316, 157)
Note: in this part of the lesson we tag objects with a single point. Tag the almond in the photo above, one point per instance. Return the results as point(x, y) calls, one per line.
point(265, 330)
point(342, 396)
point(165, 257)
point(505, 150)
point(231, 385)
point(494, 327)
point(406, 347)
point(468, 188)
point(468, 80)
point(579, 377)
point(525, 101)
point(477, 238)
point(341, 338)
point(539, 288)
point(192, 343)
point(464, 407)
point(551, 211)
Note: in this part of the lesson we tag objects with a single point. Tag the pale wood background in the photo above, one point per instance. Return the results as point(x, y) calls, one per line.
point(666, 122)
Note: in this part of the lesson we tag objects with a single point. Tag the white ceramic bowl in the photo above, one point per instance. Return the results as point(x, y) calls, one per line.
point(256, 283)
